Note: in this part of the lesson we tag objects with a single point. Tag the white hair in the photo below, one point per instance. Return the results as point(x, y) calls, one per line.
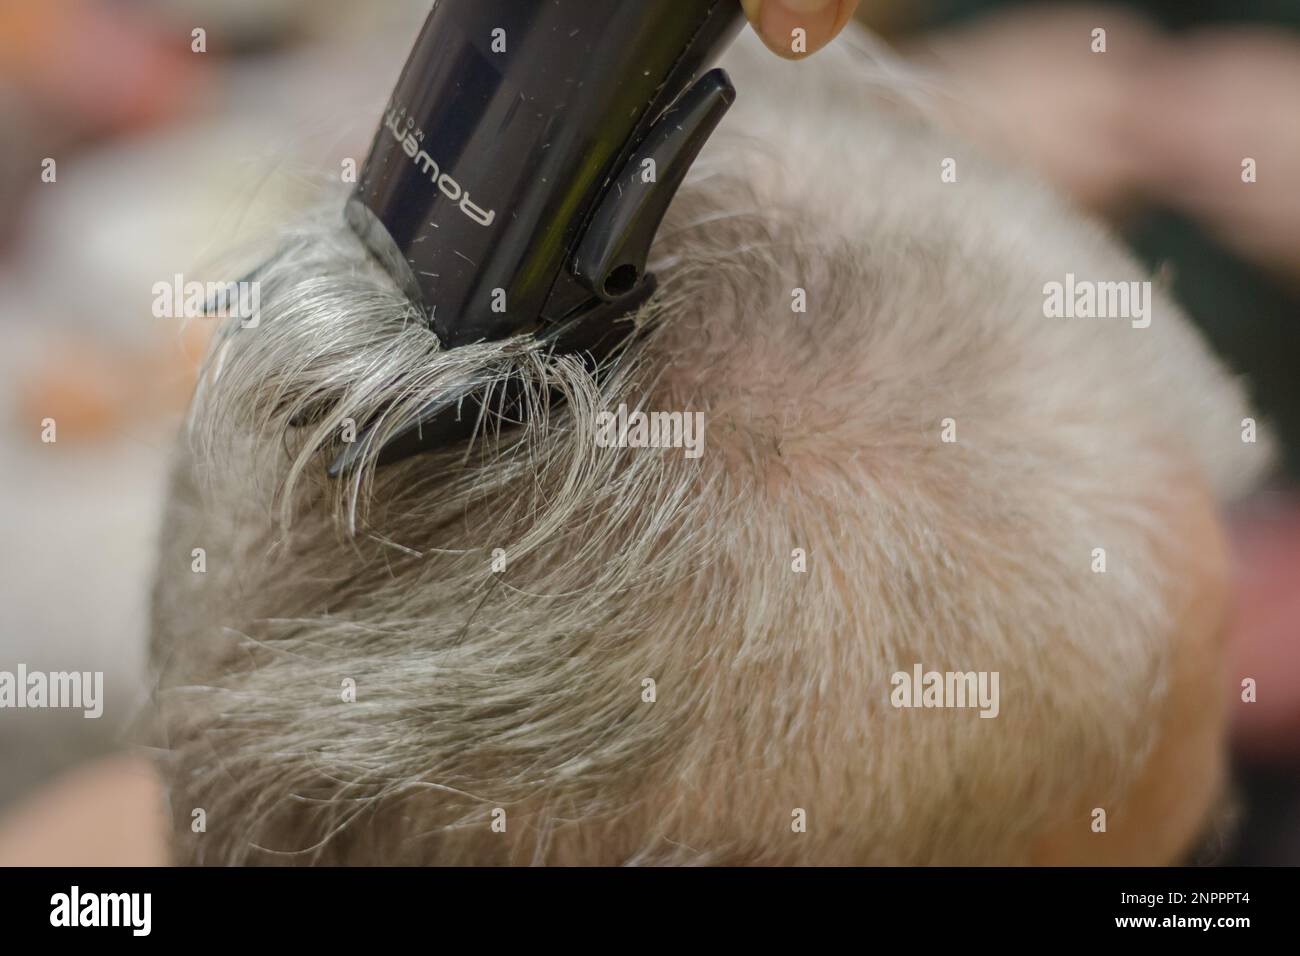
point(525, 690)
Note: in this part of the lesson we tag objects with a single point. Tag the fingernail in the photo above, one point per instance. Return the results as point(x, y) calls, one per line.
point(796, 28)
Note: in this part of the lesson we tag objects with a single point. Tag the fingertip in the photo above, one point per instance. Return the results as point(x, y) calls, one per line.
point(794, 29)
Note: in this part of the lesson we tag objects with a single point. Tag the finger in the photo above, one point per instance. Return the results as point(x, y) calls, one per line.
point(796, 28)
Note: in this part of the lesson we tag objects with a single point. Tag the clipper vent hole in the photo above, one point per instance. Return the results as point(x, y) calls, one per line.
point(621, 281)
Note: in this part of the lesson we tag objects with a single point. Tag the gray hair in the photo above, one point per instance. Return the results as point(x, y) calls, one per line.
point(524, 690)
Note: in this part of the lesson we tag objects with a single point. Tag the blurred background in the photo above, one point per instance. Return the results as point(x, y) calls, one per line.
point(140, 139)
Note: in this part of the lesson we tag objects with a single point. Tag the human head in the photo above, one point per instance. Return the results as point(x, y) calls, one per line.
point(918, 468)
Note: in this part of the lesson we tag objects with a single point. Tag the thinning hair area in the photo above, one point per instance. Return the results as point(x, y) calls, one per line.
point(533, 647)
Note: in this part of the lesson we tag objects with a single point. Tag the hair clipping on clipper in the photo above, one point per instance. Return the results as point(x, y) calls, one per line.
point(455, 416)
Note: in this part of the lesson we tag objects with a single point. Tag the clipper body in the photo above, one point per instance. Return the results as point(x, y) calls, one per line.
point(526, 159)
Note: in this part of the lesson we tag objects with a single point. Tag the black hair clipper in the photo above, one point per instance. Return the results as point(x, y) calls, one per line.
point(522, 168)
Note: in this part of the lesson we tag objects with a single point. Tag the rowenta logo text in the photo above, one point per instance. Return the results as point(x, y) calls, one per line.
point(409, 137)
